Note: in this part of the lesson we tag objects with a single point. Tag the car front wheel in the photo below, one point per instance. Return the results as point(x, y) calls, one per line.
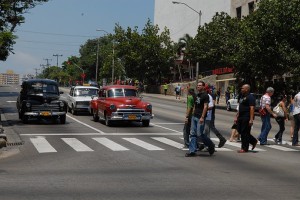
point(107, 121)
point(146, 123)
point(228, 107)
point(62, 119)
point(95, 116)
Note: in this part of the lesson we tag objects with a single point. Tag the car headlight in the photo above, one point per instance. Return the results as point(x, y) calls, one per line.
point(149, 107)
point(28, 105)
point(61, 104)
point(112, 107)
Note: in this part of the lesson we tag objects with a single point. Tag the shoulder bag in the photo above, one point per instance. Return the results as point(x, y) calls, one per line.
point(278, 110)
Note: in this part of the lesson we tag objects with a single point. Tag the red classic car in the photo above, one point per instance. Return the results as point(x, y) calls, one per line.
point(120, 103)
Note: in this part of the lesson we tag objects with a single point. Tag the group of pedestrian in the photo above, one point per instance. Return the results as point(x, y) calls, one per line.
point(287, 108)
point(200, 117)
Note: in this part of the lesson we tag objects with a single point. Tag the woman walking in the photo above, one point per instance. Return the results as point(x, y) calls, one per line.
point(281, 119)
point(290, 108)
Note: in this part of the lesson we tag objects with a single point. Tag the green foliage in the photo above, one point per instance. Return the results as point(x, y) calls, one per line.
point(11, 16)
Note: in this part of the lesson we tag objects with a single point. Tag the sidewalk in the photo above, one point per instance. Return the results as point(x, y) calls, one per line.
point(221, 105)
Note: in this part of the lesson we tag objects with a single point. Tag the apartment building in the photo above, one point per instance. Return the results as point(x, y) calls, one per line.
point(9, 78)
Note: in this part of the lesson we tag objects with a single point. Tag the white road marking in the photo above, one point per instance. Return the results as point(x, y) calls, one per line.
point(166, 128)
point(236, 144)
point(110, 144)
point(42, 145)
point(143, 144)
point(217, 148)
point(76, 144)
point(11, 101)
point(169, 123)
point(79, 134)
point(281, 148)
point(101, 132)
point(169, 142)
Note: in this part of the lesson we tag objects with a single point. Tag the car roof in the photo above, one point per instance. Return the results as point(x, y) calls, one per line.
point(108, 87)
point(40, 81)
point(90, 87)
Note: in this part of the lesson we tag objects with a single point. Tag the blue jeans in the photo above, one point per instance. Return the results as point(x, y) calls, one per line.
point(197, 130)
point(265, 129)
point(296, 129)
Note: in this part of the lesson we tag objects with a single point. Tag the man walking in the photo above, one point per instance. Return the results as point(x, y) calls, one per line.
point(211, 123)
point(244, 119)
point(198, 122)
point(265, 103)
point(296, 115)
point(165, 86)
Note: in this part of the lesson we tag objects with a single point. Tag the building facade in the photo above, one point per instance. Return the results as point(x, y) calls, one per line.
point(185, 16)
point(9, 78)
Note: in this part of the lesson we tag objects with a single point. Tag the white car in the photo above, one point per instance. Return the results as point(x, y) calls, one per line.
point(79, 98)
point(232, 104)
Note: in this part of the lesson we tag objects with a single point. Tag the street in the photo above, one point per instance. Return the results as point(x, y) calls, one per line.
point(83, 159)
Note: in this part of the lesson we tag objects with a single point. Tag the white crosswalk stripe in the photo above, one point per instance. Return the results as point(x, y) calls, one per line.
point(76, 144)
point(169, 142)
point(143, 144)
point(111, 144)
point(42, 145)
point(236, 144)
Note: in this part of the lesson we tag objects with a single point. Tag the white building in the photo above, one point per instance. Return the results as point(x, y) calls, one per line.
point(184, 18)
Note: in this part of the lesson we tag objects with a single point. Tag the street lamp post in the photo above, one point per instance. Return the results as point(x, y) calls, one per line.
point(113, 58)
point(200, 14)
point(96, 76)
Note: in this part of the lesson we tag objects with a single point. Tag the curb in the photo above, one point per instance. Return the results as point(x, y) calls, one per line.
point(3, 138)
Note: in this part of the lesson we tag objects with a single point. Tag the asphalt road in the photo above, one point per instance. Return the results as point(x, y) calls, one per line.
point(83, 159)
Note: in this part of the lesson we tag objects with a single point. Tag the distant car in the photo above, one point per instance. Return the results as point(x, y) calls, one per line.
point(39, 98)
point(120, 103)
point(233, 103)
point(79, 98)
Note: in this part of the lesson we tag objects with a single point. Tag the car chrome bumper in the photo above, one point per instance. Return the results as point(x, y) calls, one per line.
point(130, 116)
point(44, 114)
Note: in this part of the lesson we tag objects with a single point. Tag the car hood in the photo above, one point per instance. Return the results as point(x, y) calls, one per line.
point(82, 98)
point(128, 102)
point(42, 98)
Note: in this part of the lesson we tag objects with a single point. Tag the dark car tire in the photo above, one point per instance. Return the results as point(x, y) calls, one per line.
point(146, 123)
point(95, 116)
point(25, 119)
point(73, 111)
point(62, 119)
point(107, 121)
point(228, 107)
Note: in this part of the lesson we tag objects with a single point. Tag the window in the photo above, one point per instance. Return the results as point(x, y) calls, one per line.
point(130, 93)
point(251, 7)
point(239, 12)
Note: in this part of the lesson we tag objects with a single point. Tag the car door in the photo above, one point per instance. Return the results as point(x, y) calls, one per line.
point(70, 97)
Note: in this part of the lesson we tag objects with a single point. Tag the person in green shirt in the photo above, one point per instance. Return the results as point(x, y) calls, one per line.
point(189, 110)
point(165, 86)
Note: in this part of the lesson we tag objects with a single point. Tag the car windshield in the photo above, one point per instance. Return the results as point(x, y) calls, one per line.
point(122, 93)
point(85, 92)
point(40, 88)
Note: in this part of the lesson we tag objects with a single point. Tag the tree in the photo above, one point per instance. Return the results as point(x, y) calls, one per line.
point(11, 16)
point(269, 42)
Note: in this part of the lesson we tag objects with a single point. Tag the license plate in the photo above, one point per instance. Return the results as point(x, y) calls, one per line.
point(132, 117)
point(45, 113)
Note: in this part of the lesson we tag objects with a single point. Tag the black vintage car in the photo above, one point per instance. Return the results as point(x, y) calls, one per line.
point(39, 98)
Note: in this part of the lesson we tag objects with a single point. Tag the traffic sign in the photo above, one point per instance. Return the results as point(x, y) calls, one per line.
point(83, 75)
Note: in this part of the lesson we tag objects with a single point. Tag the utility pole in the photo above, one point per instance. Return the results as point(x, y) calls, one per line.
point(36, 69)
point(43, 66)
point(47, 60)
point(57, 55)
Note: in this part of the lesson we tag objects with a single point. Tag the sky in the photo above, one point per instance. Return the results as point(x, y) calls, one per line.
point(61, 26)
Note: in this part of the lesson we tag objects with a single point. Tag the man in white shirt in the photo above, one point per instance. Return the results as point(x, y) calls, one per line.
point(265, 103)
point(296, 114)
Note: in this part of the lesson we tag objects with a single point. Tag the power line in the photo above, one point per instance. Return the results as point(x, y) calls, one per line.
point(59, 34)
point(52, 43)
point(57, 55)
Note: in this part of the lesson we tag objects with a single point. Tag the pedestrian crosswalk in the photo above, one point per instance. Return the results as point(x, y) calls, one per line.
point(42, 145)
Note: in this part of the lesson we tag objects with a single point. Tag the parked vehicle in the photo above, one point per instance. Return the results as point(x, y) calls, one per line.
point(79, 98)
point(39, 98)
point(233, 103)
point(120, 103)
